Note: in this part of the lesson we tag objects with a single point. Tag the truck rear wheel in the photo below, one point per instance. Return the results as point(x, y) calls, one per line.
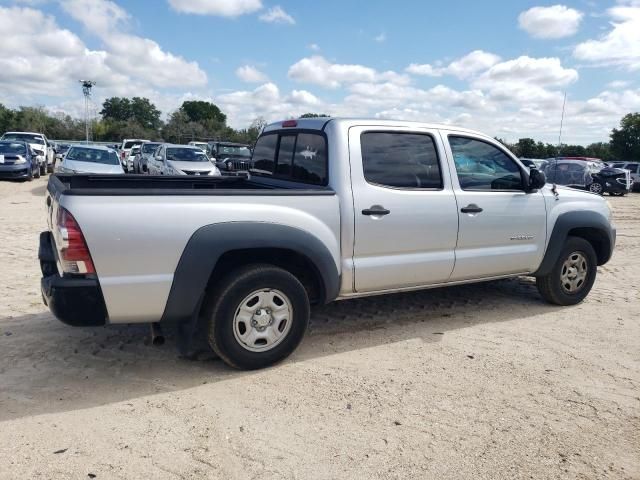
point(258, 316)
point(573, 274)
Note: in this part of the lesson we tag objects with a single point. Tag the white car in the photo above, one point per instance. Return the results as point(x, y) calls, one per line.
point(127, 145)
point(90, 159)
point(634, 169)
point(39, 144)
point(129, 164)
point(181, 160)
point(204, 146)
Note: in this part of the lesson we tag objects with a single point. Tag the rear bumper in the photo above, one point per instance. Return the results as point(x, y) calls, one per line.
point(76, 301)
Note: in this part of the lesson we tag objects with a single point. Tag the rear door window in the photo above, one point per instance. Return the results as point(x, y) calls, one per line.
point(400, 160)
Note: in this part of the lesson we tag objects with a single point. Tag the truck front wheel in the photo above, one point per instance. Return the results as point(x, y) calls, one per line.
point(257, 317)
point(573, 274)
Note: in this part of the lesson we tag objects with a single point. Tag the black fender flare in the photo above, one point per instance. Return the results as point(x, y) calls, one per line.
point(210, 242)
point(582, 219)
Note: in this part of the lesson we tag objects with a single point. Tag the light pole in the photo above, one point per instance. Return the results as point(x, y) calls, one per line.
point(87, 85)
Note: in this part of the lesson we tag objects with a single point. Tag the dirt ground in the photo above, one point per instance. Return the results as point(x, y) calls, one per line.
point(483, 382)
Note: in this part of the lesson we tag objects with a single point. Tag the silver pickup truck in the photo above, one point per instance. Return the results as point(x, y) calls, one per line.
point(332, 209)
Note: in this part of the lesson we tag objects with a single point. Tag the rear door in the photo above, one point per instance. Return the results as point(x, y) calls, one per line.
point(406, 220)
point(502, 227)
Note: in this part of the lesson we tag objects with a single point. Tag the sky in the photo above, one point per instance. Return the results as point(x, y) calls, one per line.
point(499, 66)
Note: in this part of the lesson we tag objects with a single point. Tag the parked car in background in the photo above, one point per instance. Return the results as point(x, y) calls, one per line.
point(596, 177)
point(140, 161)
point(18, 160)
point(238, 260)
point(61, 150)
point(90, 159)
point(534, 162)
point(125, 148)
point(231, 157)
point(634, 171)
point(133, 152)
point(181, 160)
point(39, 144)
point(204, 146)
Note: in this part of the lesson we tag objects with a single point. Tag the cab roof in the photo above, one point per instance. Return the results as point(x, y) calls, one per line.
point(322, 123)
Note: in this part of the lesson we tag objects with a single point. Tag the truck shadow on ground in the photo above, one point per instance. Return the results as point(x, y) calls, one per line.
point(46, 366)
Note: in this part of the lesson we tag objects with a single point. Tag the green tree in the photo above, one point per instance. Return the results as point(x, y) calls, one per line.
point(526, 147)
point(625, 141)
point(200, 111)
point(600, 150)
point(6, 119)
point(145, 113)
point(314, 115)
point(139, 109)
point(116, 108)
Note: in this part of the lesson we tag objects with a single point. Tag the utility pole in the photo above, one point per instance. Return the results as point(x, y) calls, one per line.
point(87, 85)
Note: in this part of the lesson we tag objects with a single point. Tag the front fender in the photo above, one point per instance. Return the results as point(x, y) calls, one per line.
point(585, 221)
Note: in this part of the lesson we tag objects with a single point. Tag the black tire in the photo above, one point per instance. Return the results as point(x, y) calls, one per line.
point(224, 302)
point(597, 188)
point(50, 168)
point(551, 286)
point(37, 174)
point(43, 169)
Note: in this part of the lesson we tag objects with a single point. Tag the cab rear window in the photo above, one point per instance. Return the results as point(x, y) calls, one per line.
point(297, 156)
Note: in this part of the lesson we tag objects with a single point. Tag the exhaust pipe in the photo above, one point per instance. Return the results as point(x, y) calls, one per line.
point(157, 337)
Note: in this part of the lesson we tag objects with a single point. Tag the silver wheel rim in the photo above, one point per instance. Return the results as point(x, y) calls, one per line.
point(262, 320)
point(573, 275)
point(595, 187)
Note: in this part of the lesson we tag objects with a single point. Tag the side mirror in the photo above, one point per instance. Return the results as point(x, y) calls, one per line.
point(537, 179)
point(159, 158)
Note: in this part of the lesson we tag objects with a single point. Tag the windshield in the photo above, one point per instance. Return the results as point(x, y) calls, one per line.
point(27, 137)
point(131, 144)
point(186, 155)
point(7, 148)
point(93, 155)
point(149, 147)
point(233, 151)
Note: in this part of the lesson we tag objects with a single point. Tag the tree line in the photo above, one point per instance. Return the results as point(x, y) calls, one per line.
point(138, 117)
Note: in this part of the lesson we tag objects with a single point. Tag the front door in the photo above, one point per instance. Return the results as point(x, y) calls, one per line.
point(406, 220)
point(502, 227)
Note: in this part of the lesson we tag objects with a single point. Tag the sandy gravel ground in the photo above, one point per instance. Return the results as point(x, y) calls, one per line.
point(480, 382)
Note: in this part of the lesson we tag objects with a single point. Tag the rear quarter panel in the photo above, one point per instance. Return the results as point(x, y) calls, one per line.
point(136, 242)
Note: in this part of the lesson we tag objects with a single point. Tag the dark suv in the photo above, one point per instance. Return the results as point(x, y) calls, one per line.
point(596, 177)
point(231, 157)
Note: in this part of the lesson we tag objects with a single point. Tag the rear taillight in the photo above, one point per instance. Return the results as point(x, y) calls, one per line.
point(72, 247)
point(122, 155)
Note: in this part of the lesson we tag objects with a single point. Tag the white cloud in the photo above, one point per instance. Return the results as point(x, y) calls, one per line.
point(556, 21)
point(223, 8)
point(319, 71)
point(315, 47)
point(277, 15)
point(380, 38)
point(533, 71)
point(621, 45)
point(99, 17)
point(141, 58)
point(266, 101)
point(464, 67)
point(250, 74)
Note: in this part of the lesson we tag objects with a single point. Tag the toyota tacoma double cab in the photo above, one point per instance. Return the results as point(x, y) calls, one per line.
point(331, 209)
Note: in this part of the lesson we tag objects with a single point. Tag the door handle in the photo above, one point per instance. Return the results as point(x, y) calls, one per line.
point(376, 210)
point(471, 208)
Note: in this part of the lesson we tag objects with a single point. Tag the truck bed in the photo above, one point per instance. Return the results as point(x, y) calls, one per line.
point(147, 185)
